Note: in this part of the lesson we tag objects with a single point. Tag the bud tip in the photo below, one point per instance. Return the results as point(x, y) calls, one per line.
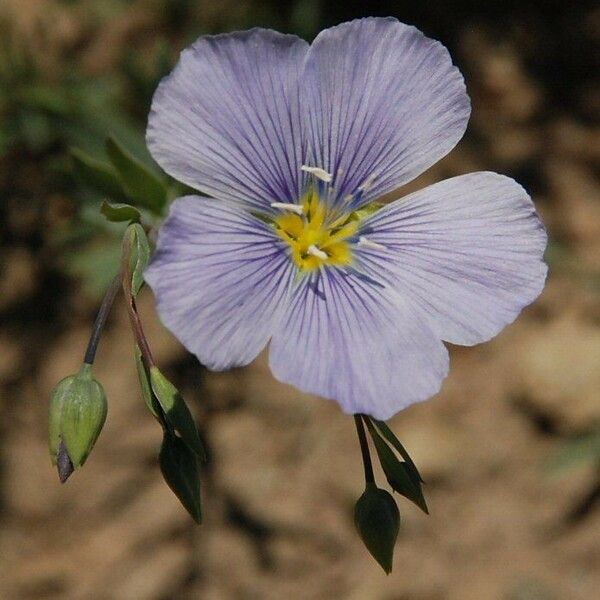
point(64, 465)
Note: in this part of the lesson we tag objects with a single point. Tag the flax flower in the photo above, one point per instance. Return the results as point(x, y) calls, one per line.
point(294, 144)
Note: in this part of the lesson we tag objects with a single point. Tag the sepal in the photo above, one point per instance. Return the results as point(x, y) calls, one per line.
point(398, 473)
point(179, 466)
point(176, 412)
point(139, 255)
point(147, 393)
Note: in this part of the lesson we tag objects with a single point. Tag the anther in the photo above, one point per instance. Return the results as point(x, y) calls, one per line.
point(318, 173)
point(365, 243)
point(296, 208)
point(367, 184)
point(314, 251)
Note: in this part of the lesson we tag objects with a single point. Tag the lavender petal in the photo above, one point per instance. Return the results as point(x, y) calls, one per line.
point(347, 338)
point(221, 279)
point(226, 121)
point(384, 102)
point(468, 250)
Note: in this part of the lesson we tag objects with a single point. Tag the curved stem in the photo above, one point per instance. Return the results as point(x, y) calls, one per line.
point(107, 302)
point(134, 318)
point(364, 448)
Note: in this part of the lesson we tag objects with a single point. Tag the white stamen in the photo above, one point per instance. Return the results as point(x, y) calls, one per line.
point(318, 173)
point(365, 243)
point(297, 208)
point(314, 251)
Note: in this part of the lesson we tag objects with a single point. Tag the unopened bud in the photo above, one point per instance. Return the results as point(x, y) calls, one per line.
point(377, 519)
point(77, 414)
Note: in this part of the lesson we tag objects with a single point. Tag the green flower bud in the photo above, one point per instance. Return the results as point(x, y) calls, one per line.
point(378, 521)
point(77, 414)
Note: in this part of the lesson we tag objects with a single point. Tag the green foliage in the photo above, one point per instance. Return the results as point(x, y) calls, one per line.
point(141, 185)
point(97, 175)
point(377, 520)
point(53, 100)
point(118, 213)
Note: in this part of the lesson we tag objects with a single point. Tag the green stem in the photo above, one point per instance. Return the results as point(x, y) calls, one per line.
point(364, 448)
point(134, 318)
point(100, 322)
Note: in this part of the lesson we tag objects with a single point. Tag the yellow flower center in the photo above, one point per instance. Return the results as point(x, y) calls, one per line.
point(314, 237)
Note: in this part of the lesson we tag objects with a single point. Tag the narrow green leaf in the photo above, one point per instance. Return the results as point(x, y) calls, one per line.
point(177, 413)
point(147, 393)
point(97, 175)
point(377, 519)
point(397, 473)
point(139, 255)
point(179, 466)
point(120, 212)
point(141, 184)
point(395, 442)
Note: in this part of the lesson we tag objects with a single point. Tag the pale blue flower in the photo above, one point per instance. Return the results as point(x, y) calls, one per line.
point(294, 143)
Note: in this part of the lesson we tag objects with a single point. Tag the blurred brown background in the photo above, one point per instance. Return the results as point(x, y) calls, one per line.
point(510, 448)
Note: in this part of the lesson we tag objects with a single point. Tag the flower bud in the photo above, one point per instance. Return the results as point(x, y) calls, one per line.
point(377, 519)
point(77, 414)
